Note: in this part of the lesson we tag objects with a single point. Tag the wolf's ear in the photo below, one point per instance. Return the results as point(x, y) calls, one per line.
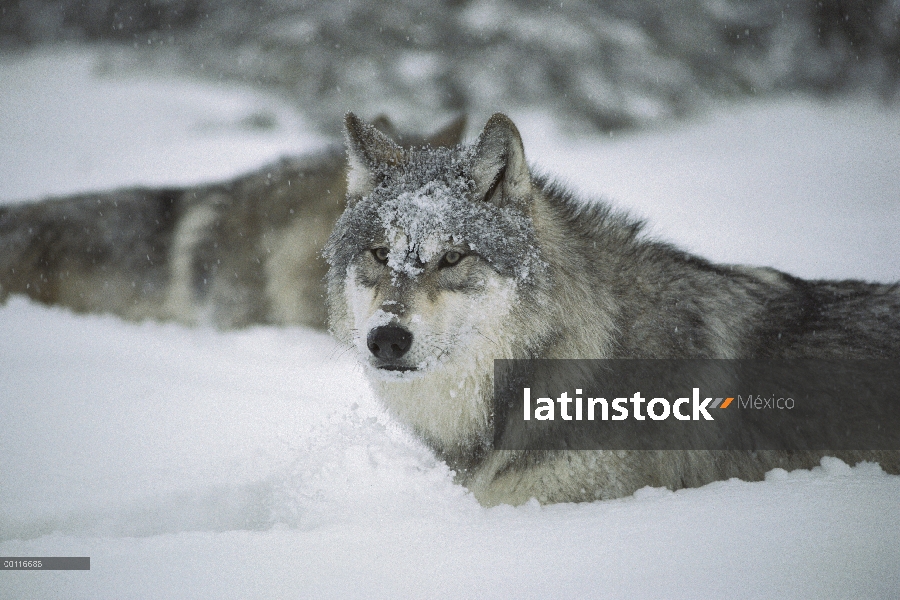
point(368, 150)
point(500, 171)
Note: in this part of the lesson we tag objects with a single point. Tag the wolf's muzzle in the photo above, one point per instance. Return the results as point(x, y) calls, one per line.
point(389, 342)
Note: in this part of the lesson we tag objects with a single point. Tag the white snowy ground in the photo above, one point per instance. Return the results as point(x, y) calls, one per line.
point(189, 463)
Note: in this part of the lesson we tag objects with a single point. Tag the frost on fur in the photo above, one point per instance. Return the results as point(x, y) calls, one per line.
point(416, 201)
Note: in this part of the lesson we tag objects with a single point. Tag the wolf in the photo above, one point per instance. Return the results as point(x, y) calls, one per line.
point(448, 258)
point(230, 254)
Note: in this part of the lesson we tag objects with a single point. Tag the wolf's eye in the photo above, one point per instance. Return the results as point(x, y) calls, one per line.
point(380, 254)
point(450, 259)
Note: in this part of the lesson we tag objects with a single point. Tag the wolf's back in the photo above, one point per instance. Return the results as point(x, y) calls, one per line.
point(832, 319)
point(231, 254)
point(96, 252)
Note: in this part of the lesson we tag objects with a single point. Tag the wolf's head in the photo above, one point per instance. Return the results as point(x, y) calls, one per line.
point(432, 260)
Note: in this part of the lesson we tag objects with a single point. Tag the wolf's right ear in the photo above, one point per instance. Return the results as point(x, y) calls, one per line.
point(500, 172)
point(368, 151)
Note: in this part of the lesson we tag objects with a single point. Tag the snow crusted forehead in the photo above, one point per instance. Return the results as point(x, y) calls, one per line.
point(425, 205)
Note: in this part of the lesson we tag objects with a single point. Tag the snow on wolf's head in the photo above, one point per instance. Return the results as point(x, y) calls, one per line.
point(430, 259)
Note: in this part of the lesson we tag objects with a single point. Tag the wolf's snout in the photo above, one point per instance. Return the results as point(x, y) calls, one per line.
point(389, 342)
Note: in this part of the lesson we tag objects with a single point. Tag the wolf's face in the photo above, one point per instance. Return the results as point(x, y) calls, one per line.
point(412, 315)
point(433, 250)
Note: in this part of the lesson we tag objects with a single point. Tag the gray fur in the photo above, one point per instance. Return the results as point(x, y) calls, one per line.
point(544, 275)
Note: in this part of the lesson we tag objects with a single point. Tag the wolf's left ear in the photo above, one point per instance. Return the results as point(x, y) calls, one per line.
point(500, 171)
point(368, 150)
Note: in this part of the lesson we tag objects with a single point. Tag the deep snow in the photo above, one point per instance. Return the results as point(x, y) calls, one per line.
point(256, 464)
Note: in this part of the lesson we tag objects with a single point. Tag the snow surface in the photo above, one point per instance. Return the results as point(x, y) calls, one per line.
point(189, 463)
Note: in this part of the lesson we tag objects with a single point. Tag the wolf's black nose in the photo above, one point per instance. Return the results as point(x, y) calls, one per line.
point(389, 341)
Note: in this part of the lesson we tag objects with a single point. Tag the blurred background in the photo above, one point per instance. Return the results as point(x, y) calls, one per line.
point(605, 65)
